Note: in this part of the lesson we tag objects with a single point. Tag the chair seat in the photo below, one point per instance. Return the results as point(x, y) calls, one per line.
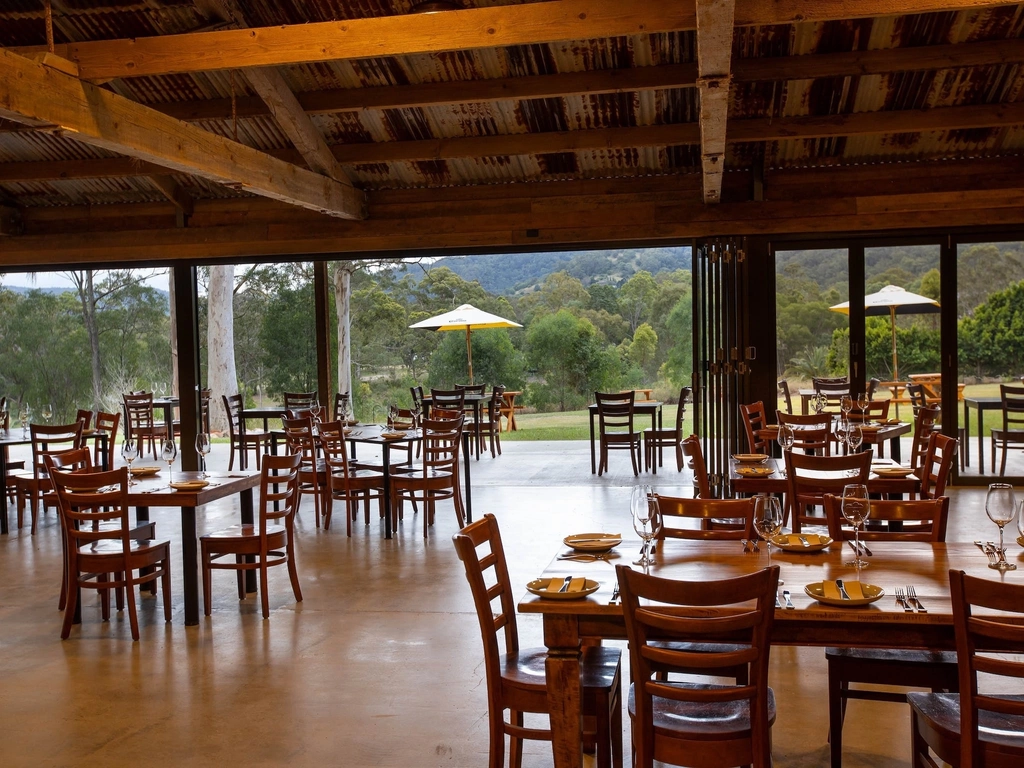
point(652, 433)
point(702, 721)
point(892, 656)
point(1004, 733)
point(244, 531)
point(525, 669)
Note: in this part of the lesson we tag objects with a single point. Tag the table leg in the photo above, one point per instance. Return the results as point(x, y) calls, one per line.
point(190, 565)
point(593, 459)
point(966, 447)
point(981, 447)
point(247, 518)
point(476, 426)
point(469, 488)
point(657, 415)
point(243, 453)
point(3, 504)
point(894, 449)
point(386, 452)
point(564, 689)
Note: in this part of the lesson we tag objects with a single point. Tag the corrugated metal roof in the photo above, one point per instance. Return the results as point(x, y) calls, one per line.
point(80, 20)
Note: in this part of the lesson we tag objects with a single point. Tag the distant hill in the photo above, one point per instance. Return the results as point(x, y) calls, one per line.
point(510, 273)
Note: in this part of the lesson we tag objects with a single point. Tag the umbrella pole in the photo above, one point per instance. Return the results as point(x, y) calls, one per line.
point(895, 361)
point(469, 353)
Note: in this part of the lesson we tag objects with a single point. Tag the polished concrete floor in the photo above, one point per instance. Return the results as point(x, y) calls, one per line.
point(380, 665)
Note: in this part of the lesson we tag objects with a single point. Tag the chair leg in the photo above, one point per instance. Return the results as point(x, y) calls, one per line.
point(69, 608)
point(264, 596)
point(835, 716)
point(515, 747)
point(204, 561)
point(633, 459)
point(165, 582)
point(133, 617)
point(240, 577)
point(293, 574)
point(679, 457)
point(231, 457)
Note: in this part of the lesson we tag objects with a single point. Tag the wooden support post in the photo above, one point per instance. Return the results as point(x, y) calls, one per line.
point(321, 291)
point(858, 336)
point(187, 318)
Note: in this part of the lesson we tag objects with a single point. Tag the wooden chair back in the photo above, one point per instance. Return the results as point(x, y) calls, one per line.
point(88, 499)
point(876, 410)
point(731, 519)
point(472, 389)
point(735, 615)
point(685, 396)
point(205, 396)
point(787, 397)
point(106, 422)
point(813, 432)
point(233, 406)
point(833, 390)
point(493, 415)
point(335, 448)
point(445, 414)
point(138, 412)
point(448, 399)
point(1013, 408)
point(919, 519)
point(85, 417)
point(299, 438)
point(279, 493)
point(754, 420)
point(938, 461)
point(615, 411)
point(441, 440)
point(417, 397)
point(75, 460)
point(811, 477)
point(52, 438)
point(924, 424)
point(297, 400)
point(998, 625)
point(341, 400)
point(693, 452)
point(917, 395)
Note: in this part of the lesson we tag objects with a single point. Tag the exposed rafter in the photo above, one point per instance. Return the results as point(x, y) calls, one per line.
point(10, 221)
point(34, 93)
point(714, 57)
point(174, 192)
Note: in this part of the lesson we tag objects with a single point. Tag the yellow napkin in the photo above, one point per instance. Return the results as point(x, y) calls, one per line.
point(831, 591)
point(578, 584)
point(812, 538)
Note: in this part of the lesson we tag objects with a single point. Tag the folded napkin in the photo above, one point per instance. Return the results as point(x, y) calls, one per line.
point(578, 584)
point(791, 538)
point(831, 591)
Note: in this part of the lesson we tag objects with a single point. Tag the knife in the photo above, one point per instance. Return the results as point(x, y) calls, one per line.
point(866, 550)
point(568, 581)
point(804, 541)
point(853, 546)
point(842, 590)
point(789, 598)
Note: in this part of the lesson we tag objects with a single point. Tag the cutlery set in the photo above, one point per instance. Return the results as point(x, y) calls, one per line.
point(989, 549)
point(749, 545)
point(908, 599)
point(584, 557)
point(863, 550)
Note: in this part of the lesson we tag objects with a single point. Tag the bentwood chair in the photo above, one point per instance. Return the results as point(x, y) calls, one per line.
point(811, 477)
point(1012, 431)
point(299, 438)
point(515, 676)
point(980, 727)
point(656, 439)
point(255, 440)
point(345, 482)
point(689, 723)
point(36, 485)
point(261, 545)
point(754, 421)
point(139, 422)
point(436, 478)
point(615, 427)
point(101, 551)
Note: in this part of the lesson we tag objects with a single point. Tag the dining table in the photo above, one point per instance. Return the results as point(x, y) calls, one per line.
point(653, 408)
point(881, 624)
point(979, 404)
point(777, 482)
point(476, 401)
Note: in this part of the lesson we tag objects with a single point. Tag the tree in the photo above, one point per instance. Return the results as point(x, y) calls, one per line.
point(992, 339)
point(288, 338)
point(220, 343)
point(495, 360)
point(567, 351)
point(644, 346)
point(635, 298)
point(679, 362)
point(559, 290)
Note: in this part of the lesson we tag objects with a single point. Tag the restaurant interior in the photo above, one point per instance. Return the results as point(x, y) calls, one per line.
point(185, 133)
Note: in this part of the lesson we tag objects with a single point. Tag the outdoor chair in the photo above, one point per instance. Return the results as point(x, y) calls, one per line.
point(490, 423)
point(976, 728)
point(615, 420)
point(655, 439)
point(811, 477)
point(1012, 431)
point(139, 423)
point(515, 676)
point(436, 478)
point(449, 399)
point(935, 670)
point(259, 546)
point(101, 551)
point(36, 485)
point(345, 482)
point(689, 723)
point(242, 440)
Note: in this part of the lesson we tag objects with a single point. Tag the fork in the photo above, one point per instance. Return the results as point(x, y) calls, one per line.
point(912, 594)
point(901, 599)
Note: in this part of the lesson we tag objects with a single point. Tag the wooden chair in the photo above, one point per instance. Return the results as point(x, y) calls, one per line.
point(36, 485)
point(701, 483)
point(699, 724)
point(615, 420)
point(300, 438)
point(1012, 431)
point(85, 417)
point(918, 397)
point(655, 439)
point(490, 424)
point(811, 477)
point(346, 482)
point(925, 421)
point(437, 476)
point(872, 388)
point(813, 432)
point(417, 397)
point(787, 396)
point(973, 729)
point(256, 440)
point(101, 553)
point(341, 400)
point(205, 396)
point(876, 410)
point(448, 399)
point(938, 461)
point(833, 390)
point(139, 423)
point(106, 422)
point(729, 519)
point(12, 466)
point(296, 400)
point(754, 420)
point(515, 676)
point(269, 541)
point(936, 670)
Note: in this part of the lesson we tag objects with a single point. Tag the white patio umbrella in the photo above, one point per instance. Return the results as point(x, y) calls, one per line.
point(893, 300)
point(468, 318)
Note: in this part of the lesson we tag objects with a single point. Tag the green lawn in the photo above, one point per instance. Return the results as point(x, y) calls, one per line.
point(575, 425)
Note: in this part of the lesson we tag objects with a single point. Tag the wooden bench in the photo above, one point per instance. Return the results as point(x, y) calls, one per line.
point(645, 392)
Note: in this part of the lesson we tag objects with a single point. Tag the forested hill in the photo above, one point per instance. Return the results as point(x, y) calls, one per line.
point(510, 273)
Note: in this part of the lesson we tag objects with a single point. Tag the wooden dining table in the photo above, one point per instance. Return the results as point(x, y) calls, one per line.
point(882, 624)
point(777, 482)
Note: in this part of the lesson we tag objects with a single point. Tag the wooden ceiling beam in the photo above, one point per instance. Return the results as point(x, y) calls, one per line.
point(755, 13)
point(714, 59)
point(174, 192)
point(100, 118)
point(10, 221)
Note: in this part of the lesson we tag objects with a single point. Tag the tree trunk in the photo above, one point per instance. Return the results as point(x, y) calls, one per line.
point(221, 343)
point(87, 296)
point(343, 303)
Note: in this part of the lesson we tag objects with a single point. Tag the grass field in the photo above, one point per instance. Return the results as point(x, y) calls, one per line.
point(575, 425)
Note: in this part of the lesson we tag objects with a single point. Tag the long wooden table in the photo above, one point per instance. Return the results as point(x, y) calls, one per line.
point(778, 483)
point(883, 624)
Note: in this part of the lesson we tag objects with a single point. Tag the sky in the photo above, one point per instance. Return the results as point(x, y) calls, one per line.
point(58, 280)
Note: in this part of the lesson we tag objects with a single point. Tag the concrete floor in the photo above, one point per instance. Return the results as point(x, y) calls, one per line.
point(380, 665)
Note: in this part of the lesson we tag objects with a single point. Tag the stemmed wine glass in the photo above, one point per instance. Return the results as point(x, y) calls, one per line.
point(820, 401)
point(854, 437)
point(47, 412)
point(130, 452)
point(846, 405)
point(5, 418)
point(641, 509)
point(862, 403)
point(24, 416)
point(856, 509)
point(203, 448)
point(169, 452)
point(767, 521)
point(842, 431)
point(1001, 507)
point(786, 438)
point(416, 412)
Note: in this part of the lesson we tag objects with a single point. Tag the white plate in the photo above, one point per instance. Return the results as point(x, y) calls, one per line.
point(593, 542)
point(870, 591)
point(791, 543)
point(549, 588)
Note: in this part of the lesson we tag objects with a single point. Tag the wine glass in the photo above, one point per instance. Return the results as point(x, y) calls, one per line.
point(820, 401)
point(786, 437)
point(130, 452)
point(47, 412)
point(846, 405)
point(203, 448)
point(862, 403)
point(5, 418)
point(854, 437)
point(856, 508)
point(842, 431)
point(392, 415)
point(654, 520)
point(169, 452)
point(767, 520)
point(25, 416)
point(417, 409)
point(1001, 508)
point(641, 513)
